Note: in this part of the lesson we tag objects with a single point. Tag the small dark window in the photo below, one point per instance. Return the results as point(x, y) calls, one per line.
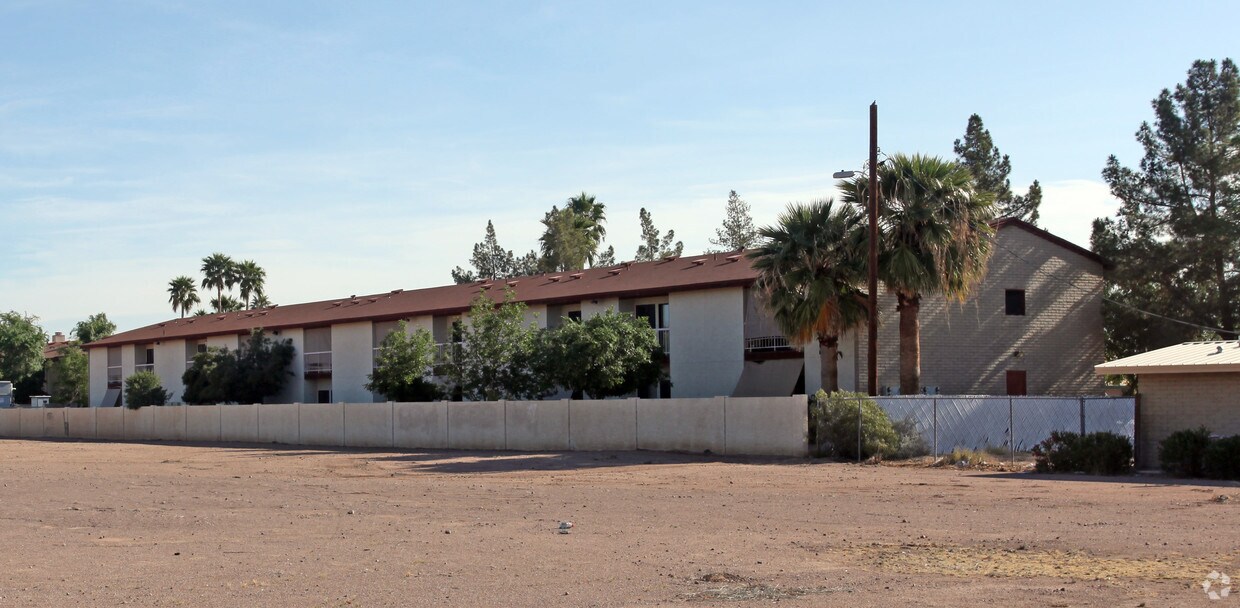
point(325, 396)
point(1014, 300)
point(574, 315)
point(1016, 382)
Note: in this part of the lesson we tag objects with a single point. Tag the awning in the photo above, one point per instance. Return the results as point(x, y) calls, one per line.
point(770, 378)
point(112, 398)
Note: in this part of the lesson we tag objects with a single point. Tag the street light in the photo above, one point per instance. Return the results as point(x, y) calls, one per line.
point(875, 196)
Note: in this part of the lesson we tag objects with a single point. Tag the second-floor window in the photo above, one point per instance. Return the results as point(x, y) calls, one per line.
point(318, 349)
point(1014, 302)
point(659, 318)
point(115, 376)
point(144, 358)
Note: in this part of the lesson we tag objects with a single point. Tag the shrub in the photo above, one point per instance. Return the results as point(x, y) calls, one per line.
point(1182, 452)
point(143, 389)
point(909, 441)
point(1221, 459)
point(834, 417)
point(1093, 453)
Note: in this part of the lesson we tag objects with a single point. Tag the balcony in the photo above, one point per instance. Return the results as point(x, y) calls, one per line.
point(144, 367)
point(760, 348)
point(665, 340)
point(318, 365)
point(114, 377)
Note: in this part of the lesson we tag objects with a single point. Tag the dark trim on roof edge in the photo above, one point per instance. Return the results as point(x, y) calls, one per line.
point(1003, 222)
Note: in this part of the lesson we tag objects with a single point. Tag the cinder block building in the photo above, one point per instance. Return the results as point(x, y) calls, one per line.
point(1036, 317)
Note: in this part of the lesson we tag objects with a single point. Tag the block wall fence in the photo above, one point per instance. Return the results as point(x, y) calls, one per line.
point(759, 426)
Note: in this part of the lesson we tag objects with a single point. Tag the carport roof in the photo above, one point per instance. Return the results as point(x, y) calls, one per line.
point(1186, 358)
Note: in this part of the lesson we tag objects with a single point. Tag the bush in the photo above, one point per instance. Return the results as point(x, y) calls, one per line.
point(1221, 459)
point(143, 389)
point(834, 417)
point(1093, 453)
point(1182, 452)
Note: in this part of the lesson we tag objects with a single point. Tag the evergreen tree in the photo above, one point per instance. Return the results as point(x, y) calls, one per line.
point(653, 247)
point(738, 231)
point(990, 170)
point(1175, 240)
point(607, 257)
point(491, 261)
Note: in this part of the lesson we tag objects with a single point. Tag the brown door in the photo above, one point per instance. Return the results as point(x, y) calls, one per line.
point(1016, 382)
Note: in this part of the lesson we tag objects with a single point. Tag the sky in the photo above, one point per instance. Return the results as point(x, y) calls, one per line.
point(353, 148)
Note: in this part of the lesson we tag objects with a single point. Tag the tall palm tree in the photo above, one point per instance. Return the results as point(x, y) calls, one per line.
point(250, 280)
point(936, 239)
point(219, 273)
point(810, 268)
point(573, 234)
point(260, 301)
point(182, 294)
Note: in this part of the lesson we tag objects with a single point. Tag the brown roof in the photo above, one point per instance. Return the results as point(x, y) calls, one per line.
point(623, 280)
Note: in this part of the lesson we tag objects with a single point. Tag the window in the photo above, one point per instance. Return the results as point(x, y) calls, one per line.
point(114, 367)
point(1014, 302)
point(1016, 382)
point(318, 350)
point(325, 395)
point(659, 318)
point(379, 331)
point(574, 315)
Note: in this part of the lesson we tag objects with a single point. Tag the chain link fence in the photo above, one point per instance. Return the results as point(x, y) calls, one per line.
point(934, 425)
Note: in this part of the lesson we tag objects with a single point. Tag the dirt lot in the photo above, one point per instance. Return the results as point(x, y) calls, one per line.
point(176, 525)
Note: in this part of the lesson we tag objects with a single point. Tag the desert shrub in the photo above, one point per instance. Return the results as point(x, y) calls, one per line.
point(1182, 452)
point(909, 441)
point(964, 457)
point(1093, 453)
point(1221, 459)
point(143, 389)
point(834, 417)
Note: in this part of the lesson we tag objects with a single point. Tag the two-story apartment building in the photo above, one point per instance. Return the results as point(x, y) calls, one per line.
point(718, 337)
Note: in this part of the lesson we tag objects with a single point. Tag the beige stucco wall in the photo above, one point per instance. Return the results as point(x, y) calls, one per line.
point(707, 341)
point(967, 348)
point(98, 375)
point(295, 390)
point(170, 366)
point(368, 425)
point(590, 308)
point(127, 369)
point(351, 362)
point(229, 341)
point(1174, 402)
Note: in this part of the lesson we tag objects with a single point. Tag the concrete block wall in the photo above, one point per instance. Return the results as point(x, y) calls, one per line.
point(1174, 402)
point(722, 425)
point(967, 348)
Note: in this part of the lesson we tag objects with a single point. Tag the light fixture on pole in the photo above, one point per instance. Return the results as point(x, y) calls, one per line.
point(874, 199)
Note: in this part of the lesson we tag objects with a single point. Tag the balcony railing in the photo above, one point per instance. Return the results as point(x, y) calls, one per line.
point(114, 377)
point(319, 363)
point(144, 367)
point(767, 344)
point(665, 339)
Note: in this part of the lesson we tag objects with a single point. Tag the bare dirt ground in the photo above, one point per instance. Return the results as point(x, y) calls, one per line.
point(102, 524)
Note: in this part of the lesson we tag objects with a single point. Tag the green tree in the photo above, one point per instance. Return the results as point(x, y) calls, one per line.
point(21, 352)
point(990, 170)
point(607, 257)
point(491, 261)
point(143, 389)
point(183, 295)
point(70, 376)
point(497, 357)
point(936, 239)
point(1175, 240)
point(653, 247)
point(251, 280)
point(252, 373)
point(226, 304)
point(96, 327)
point(261, 301)
point(810, 269)
point(402, 365)
point(606, 355)
point(219, 272)
point(738, 231)
point(572, 235)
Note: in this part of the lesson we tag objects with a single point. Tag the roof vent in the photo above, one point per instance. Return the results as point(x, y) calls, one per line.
point(576, 275)
point(734, 257)
point(512, 283)
point(337, 303)
point(698, 262)
point(222, 317)
point(355, 301)
point(372, 300)
point(613, 272)
point(555, 279)
point(485, 286)
point(669, 258)
point(397, 290)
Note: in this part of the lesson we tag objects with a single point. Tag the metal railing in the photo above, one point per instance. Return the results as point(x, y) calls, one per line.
point(665, 339)
point(767, 344)
point(144, 367)
point(318, 363)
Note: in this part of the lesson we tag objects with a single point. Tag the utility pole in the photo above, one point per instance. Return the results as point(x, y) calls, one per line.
point(875, 195)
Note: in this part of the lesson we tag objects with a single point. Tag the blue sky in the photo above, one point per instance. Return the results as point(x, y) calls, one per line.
point(361, 147)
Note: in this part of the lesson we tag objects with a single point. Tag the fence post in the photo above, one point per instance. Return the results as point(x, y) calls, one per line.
point(1011, 434)
point(935, 413)
point(860, 402)
point(1082, 399)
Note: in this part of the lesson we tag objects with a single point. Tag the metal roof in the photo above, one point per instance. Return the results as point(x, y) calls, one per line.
point(1186, 358)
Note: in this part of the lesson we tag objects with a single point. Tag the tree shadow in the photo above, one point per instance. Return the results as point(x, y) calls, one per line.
point(1146, 479)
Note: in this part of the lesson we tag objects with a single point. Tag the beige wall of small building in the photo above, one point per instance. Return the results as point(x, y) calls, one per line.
point(351, 362)
point(967, 348)
point(295, 390)
point(98, 362)
point(170, 366)
point(707, 330)
point(1174, 402)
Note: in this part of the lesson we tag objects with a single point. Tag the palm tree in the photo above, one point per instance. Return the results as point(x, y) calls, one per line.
point(810, 267)
point(261, 301)
point(573, 234)
point(250, 280)
point(219, 273)
point(182, 294)
point(227, 304)
point(936, 239)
